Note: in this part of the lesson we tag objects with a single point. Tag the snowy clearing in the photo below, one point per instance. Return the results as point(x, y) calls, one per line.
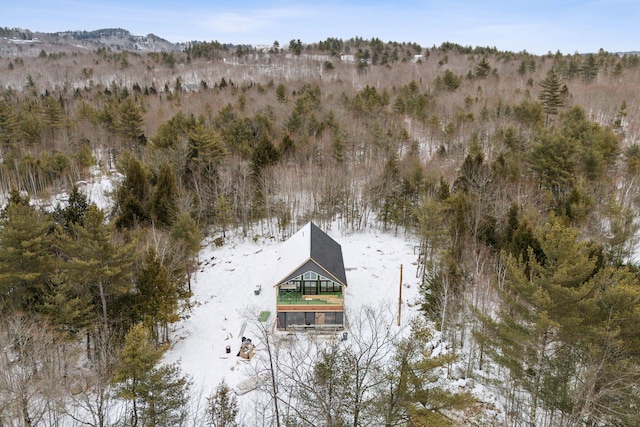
point(223, 294)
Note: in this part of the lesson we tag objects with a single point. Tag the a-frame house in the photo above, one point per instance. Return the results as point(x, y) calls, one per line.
point(310, 281)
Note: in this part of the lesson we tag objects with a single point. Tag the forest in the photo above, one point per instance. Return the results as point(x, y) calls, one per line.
point(518, 173)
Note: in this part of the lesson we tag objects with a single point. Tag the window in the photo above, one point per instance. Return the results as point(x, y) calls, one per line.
point(311, 283)
point(310, 318)
point(329, 318)
point(310, 288)
point(290, 286)
point(295, 319)
point(329, 286)
point(333, 318)
point(310, 275)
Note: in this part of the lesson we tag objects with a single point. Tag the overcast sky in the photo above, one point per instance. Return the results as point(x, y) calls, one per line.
point(535, 26)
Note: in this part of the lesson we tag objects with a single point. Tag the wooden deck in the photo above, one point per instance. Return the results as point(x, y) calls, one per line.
point(330, 299)
point(292, 299)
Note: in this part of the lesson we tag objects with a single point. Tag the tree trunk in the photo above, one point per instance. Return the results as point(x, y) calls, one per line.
point(274, 386)
point(134, 413)
point(103, 301)
point(536, 389)
point(26, 418)
point(88, 345)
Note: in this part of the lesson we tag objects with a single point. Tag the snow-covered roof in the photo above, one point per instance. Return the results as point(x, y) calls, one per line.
point(309, 246)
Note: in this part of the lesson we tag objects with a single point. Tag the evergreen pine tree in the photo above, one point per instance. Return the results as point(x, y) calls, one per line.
point(413, 391)
point(158, 394)
point(451, 81)
point(607, 392)
point(263, 155)
point(511, 225)
point(74, 212)
point(540, 315)
point(589, 69)
point(53, 115)
point(205, 144)
point(131, 196)
point(222, 408)
point(186, 234)
point(553, 161)
point(8, 124)
point(27, 260)
point(67, 308)
point(138, 358)
point(100, 266)
point(619, 123)
point(281, 93)
point(167, 399)
point(129, 123)
point(287, 145)
point(554, 94)
point(597, 147)
point(163, 204)
point(326, 389)
point(156, 298)
point(483, 69)
point(223, 213)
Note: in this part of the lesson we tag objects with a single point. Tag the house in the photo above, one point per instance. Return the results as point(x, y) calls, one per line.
point(310, 282)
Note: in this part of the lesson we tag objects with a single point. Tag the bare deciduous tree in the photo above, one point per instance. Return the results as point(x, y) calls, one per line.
point(34, 368)
point(319, 379)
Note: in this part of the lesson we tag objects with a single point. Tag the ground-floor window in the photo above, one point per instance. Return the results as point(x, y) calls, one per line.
point(309, 318)
point(295, 318)
point(333, 318)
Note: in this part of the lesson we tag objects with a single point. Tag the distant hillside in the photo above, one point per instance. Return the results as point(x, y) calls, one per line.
point(20, 42)
point(28, 43)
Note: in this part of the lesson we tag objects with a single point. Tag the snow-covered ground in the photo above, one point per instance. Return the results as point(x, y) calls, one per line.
point(98, 188)
point(223, 297)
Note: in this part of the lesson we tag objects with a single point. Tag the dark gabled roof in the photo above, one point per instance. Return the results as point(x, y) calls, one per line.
point(307, 247)
point(327, 253)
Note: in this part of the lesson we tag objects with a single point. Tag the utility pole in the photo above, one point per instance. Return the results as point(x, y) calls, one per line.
point(400, 298)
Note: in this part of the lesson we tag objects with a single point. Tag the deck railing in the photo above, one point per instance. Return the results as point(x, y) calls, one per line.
point(296, 298)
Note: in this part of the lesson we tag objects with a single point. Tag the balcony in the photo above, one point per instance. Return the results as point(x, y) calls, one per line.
point(296, 298)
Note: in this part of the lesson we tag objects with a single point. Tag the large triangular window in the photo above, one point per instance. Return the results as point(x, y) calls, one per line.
point(311, 283)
